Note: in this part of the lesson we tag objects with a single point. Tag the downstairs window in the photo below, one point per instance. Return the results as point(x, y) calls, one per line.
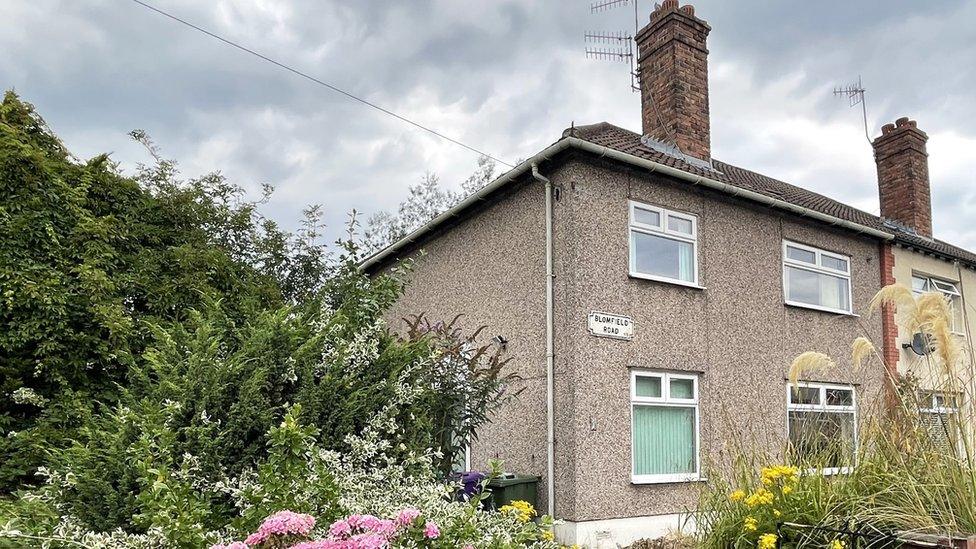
point(822, 426)
point(664, 427)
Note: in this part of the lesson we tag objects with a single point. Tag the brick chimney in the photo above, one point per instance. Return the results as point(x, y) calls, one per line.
point(903, 175)
point(673, 65)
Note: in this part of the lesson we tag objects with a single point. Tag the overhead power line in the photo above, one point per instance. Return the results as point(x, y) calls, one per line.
point(317, 81)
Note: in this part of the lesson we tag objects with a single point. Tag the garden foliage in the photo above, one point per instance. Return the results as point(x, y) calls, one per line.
point(174, 368)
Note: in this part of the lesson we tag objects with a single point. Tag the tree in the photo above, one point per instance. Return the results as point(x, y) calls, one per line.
point(92, 260)
point(425, 201)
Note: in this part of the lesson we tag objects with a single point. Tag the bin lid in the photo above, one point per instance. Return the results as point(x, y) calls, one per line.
point(512, 480)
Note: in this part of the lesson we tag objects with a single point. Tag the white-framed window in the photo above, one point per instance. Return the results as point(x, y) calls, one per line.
point(664, 427)
point(663, 244)
point(816, 279)
point(822, 425)
point(937, 409)
point(923, 284)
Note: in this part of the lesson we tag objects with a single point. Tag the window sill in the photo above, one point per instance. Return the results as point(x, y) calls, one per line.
point(837, 312)
point(666, 280)
point(666, 479)
point(829, 471)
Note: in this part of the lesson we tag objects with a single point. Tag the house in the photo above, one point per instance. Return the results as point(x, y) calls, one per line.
point(652, 299)
point(914, 259)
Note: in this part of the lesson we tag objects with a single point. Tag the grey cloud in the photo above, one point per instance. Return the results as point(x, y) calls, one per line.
point(506, 76)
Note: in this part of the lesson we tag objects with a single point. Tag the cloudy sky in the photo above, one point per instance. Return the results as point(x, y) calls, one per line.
point(505, 76)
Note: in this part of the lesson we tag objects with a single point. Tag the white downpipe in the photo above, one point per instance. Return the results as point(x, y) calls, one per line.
point(550, 354)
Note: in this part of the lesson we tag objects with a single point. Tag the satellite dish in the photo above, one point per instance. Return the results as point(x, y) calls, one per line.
point(921, 344)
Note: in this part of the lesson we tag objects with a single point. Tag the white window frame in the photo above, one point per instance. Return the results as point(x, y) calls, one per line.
point(950, 290)
point(824, 407)
point(663, 231)
point(819, 269)
point(666, 401)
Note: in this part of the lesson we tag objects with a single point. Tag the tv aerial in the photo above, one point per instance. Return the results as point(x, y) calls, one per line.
point(855, 96)
point(615, 46)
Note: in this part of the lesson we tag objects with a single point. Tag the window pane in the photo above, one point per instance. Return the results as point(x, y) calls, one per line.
point(682, 388)
point(822, 439)
point(664, 440)
point(805, 286)
point(805, 395)
point(659, 256)
point(840, 397)
point(939, 429)
point(680, 224)
point(833, 263)
point(647, 217)
point(945, 287)
point(919, 284)
point(647, 386)
point(799, 254)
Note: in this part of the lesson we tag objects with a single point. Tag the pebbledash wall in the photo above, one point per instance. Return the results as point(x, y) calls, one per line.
point(736, 333)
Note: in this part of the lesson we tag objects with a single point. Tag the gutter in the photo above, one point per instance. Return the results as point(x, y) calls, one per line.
point(603, 151)
point(550, 353)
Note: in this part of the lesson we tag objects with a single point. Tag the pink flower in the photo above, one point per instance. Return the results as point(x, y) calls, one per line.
point(355, 520)
point(282, 523)
point(340, 529)
point(407, 516)
point(469, 546)
point(368, 541)
point(385, 527)
point(431, 530)
point(322, 544)
point(369, 522)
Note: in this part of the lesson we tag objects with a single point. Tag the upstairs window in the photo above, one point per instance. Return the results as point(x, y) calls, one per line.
point(664, 427)
point(822, 425)
point(949, 290)
point(663, 244)
point(816, 278)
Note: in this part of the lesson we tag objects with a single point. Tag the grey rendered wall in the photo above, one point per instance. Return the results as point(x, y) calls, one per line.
point(738, 332)
point(490, 267)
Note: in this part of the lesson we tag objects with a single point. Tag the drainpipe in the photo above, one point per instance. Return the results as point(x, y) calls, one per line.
point(550, 386)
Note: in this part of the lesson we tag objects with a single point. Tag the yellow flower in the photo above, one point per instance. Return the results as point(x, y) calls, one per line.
point(751, 524)
point(760, 497)
point(738, 495)
point(787, 490)
point(838, 544)
point(767, 541)
point(786, 473)
point(777, 513)
point(548, 535)
point(522, 510)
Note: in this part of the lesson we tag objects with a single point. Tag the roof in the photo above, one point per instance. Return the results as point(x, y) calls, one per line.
point(617, 138)
point(617, 143)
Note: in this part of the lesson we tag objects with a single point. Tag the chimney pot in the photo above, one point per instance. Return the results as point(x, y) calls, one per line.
point(903, 175)
point(672, 63)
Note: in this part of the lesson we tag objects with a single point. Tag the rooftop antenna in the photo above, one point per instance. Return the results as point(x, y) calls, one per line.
point(616, 46)
point(855, 96)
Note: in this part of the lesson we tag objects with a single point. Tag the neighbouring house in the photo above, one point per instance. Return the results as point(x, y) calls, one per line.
point(914, 259)
point(652, 298)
